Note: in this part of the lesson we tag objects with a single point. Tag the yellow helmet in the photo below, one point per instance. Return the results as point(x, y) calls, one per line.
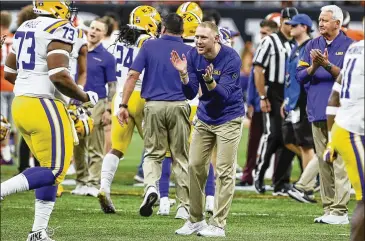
point(191, 22)
point(145, 18)
point(191, 7)
point(5, 128)
point(61, 9)
point(83, 122)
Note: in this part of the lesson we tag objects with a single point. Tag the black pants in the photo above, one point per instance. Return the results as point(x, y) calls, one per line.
point(24, 154)
point(272, 142)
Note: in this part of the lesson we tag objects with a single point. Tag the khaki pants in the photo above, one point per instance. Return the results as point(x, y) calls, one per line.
point(166, 126)
point(227, 137)
point(88, 155)
point(335, 184)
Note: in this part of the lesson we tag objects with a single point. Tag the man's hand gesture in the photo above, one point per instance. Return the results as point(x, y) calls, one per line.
point(180, 65)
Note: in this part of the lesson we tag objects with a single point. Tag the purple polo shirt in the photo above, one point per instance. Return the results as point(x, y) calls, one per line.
point(100, 70)
point(161, 81)
point(225, 101)
point(319, 86)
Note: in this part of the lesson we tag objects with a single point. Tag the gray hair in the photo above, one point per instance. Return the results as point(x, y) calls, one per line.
point(336, 12)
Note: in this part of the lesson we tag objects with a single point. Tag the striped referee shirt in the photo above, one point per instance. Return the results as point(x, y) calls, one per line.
point(272, 54)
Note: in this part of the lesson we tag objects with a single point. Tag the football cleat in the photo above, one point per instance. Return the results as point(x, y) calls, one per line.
point(5, 128)
point(59, 9)
point(40, 235)
point(190, 7)
point(106, 203)
point(149, 200)
point(145, 18)
point(164, 209)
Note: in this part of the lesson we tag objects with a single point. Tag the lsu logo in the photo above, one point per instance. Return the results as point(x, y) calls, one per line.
point(339, 53)
point(216, 72)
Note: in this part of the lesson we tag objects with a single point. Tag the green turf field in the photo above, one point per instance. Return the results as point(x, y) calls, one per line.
point(252, 216)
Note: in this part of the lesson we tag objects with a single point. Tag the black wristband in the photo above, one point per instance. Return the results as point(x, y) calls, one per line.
point(123, 105)
point(209, 82)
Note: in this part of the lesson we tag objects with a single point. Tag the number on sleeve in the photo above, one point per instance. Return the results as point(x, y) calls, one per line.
point(69, 33)
point(27, 60)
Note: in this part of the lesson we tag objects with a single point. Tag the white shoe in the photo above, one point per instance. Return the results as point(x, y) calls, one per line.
point(150, 198)
point(190, 228)
point(212, 231)
point(40, 235)
point(164, 209)
point(182, 213)
point(209, 204)
point(138, 179)
point(334, 219)
point(92, 191)
point(80, 190)
point(319, 219)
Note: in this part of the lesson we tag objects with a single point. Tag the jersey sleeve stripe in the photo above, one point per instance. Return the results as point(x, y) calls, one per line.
point(56, 25)
point(81, 34)
point(141, 42)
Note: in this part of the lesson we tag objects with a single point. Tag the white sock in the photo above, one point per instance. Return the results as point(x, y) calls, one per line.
point(43, 210)
point(108, 169)
point(6, 153)
point(19, 183)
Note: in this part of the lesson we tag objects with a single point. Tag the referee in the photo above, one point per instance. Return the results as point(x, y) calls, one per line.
point(269, 69)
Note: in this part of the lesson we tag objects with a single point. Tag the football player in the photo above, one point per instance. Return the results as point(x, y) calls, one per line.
point(38, 65)
point(345, 119)
point(143, 25)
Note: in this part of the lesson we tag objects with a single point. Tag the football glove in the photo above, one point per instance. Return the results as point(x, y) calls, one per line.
point(329, 154)
point(93, 99)
point(5, 128)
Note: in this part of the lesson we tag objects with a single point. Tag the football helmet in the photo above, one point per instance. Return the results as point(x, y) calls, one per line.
point(145, 18)
point(61, 9)
point(5, 128)
point(191, 22)
point(83, 123)
point(190, 7)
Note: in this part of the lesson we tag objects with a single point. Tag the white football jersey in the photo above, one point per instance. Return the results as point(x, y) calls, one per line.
point(30, 47)
point(124, 57)
point(350, 115)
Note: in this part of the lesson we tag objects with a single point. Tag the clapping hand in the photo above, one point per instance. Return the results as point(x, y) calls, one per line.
point(208, 76)
point(318, 58)
point(180, 65)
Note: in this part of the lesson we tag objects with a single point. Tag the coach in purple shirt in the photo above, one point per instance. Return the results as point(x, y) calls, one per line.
point(318, 67)
point(215, 68)
point(100, 71)
point(166, 113)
